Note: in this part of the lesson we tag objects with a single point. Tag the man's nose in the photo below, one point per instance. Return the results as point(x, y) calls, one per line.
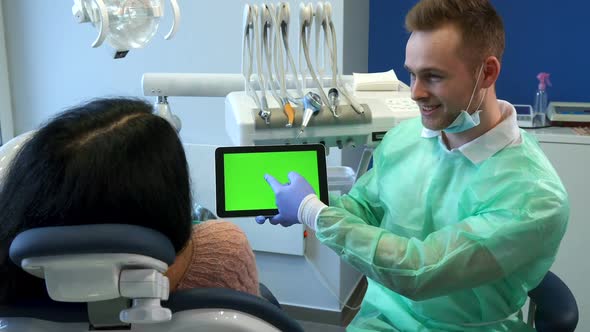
point(418, 90)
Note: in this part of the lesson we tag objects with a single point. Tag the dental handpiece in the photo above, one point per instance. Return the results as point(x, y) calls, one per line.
point(334, 99)
point(289, 112)
point(312, 103)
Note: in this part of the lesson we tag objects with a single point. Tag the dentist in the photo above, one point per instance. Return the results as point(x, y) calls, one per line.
point(462, 214)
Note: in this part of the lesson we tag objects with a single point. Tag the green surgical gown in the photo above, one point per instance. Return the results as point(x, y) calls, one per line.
point(446, 244)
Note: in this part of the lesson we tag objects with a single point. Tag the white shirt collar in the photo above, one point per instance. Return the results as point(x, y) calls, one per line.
point(483, 147)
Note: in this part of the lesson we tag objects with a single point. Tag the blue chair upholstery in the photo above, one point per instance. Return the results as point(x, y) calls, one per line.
point(553, 306)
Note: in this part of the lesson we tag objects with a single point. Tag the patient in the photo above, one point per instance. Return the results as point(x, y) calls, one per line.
point(113, 161)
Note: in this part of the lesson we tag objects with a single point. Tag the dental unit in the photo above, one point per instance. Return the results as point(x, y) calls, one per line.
point(270, 101)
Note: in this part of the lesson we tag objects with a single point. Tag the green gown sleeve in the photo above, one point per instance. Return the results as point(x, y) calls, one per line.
point(365, 204)
point(516, 223)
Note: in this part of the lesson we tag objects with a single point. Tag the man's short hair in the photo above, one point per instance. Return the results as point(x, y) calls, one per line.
point(480, 26)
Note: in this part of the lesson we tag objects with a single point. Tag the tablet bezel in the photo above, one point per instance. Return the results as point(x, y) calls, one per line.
point(220, 152)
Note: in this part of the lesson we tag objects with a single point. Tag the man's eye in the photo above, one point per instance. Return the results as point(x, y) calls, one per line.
point(433, 78)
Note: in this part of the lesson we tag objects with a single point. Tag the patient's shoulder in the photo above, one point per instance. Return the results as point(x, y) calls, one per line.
point(219, 233)
point(217, 229)
point(222, 257)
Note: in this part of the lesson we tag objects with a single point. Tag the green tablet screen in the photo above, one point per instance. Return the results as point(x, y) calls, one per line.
point(241, 187)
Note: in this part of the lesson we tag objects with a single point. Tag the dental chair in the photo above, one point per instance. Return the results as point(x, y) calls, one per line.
point(553, 307)
point(110, 277)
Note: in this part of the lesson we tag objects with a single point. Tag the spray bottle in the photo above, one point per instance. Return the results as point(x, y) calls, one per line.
point(540, 106)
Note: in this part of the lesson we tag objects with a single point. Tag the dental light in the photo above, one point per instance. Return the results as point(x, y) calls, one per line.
point(124, 24)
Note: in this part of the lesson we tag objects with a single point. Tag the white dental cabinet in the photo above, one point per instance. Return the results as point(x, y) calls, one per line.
point(570, 155)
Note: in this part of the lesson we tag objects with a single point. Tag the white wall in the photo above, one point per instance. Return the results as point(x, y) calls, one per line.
point(52, 66)
point(6, 129)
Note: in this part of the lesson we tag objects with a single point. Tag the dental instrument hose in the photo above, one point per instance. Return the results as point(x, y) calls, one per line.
point(265, 111)
point(247, 54)
point(277, 55)
point(268, 57)
point(282, 22)
point(282, 100)
point(340, 84)
point(324, 98)
point(291, 63)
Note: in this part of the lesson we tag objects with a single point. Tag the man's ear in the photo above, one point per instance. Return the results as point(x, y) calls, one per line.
point(491, 71)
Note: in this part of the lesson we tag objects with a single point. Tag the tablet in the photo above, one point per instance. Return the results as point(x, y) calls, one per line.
point(242, 191)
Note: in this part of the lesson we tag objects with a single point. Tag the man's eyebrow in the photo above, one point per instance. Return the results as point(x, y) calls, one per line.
point(425, 70)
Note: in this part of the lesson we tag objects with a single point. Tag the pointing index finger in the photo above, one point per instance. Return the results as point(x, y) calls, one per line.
point(274, 184)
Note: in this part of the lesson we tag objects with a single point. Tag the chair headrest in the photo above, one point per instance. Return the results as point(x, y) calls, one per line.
point(92, 239)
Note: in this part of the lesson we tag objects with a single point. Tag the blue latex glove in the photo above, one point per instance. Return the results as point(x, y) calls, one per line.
point(288, 198)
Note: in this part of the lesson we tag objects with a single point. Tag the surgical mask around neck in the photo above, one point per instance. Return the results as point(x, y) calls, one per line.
point(465, 121)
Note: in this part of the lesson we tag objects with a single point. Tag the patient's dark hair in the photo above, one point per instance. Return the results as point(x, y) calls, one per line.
point(106, 161)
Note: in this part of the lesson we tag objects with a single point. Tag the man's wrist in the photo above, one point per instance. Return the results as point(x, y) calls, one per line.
point(309, 209)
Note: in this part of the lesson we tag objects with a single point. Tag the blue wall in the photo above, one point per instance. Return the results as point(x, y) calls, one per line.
point(541, 35)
